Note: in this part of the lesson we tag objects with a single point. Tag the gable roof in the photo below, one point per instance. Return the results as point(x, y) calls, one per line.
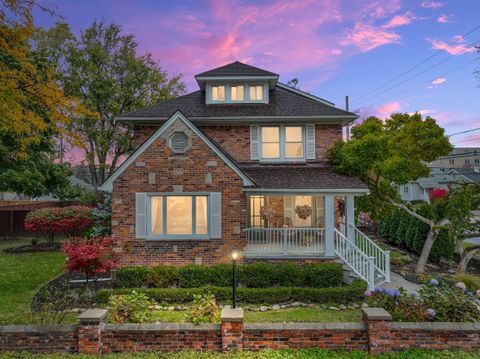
point(108, 184)
point(236, 68)
point(286, 104)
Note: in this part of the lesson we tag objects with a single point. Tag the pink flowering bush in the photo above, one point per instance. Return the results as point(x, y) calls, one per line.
point(365, 220)
point(437, 193)
point(435, 301)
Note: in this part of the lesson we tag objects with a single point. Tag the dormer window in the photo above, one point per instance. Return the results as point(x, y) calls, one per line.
point(237, 92)
point(218, 93)
point(256, 92)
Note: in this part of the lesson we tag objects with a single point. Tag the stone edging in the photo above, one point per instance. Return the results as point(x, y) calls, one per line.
point(450, 326)
point(161, 327)
point(307, 326)
point(47, 328)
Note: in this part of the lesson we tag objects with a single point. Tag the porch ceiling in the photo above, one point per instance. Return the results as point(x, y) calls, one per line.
point(303, 178)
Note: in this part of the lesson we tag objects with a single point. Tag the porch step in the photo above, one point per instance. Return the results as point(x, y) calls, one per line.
point(349, 276)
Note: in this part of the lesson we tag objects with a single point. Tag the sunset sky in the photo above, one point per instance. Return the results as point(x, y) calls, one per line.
point(360, 48)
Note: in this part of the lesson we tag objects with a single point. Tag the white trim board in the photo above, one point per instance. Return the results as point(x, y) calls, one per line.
point(307, 191)
point(108, 184)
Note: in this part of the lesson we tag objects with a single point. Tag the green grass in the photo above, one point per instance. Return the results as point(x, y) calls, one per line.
point(277, 316)
point(266, 354)
point(21, 276)
point(472, 281)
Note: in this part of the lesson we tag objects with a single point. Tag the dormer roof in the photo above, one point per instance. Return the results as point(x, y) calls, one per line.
point(236, 71)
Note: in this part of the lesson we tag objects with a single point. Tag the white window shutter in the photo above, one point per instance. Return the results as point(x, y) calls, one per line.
point(254, 142)
point(310, 141)
point(140, 215)
point(216, 215)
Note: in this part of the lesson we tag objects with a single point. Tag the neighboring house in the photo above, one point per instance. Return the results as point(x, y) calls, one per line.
point(419, 190)
point(460, 157)
point(241, 164)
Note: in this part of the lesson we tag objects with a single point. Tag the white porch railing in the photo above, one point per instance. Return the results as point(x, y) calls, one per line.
point(381, 258)
point(269, 242)
point(354, 258)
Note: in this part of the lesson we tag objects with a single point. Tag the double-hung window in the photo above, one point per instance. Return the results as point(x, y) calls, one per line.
point(256, 92)
point(178, 215)
point(282, 143)
point(236, 93)
point(218, 93)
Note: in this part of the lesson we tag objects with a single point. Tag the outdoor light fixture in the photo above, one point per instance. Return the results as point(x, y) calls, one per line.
point(234, 278)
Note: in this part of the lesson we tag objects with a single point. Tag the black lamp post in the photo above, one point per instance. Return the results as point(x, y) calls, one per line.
point(234, 278)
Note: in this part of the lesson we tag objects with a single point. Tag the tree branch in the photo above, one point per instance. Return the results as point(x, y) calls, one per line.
point(412, 213)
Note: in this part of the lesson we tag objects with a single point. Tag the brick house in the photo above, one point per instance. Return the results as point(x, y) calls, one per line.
point(241, 164)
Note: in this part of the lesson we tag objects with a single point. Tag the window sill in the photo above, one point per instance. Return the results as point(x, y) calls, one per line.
point(282, 161)
point(179, 238)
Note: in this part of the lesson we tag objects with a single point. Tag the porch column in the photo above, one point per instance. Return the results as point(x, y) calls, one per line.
point(329, 224)
point(350, 214)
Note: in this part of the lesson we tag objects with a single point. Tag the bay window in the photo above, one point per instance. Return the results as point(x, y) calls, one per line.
point(282, 142)
point(178, 215)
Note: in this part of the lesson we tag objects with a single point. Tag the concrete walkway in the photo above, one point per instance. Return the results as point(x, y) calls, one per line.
point(397, 281)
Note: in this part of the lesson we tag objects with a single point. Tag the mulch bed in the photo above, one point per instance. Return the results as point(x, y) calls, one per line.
point(61, 287)
point(32, 248)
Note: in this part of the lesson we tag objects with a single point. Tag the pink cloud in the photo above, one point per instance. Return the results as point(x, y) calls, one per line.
point(443, 19)
point(439, 81)
point(384, 111)
point(451, 48)
point(399, 20)
point(367, 37)
point(432, 4)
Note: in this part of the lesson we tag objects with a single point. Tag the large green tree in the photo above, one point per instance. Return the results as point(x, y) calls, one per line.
point(103, 69)
point(33, 108)
point(386, 154)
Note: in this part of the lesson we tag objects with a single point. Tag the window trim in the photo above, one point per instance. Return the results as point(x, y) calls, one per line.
point(228, 92)
point(164, 236)
point(282, 140)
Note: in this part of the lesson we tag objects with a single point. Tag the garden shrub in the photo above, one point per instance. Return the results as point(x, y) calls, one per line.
point(72, 221)
point(404, 231)
point(162, 276)
point(436, 301)
point(250, 275)
point(471, 281)
point(131, 277)
point(203, 309)
point(273, 295)
point(130, 308)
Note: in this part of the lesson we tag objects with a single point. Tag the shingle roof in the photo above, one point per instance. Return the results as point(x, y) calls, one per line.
point(301, 177)
point(236, 69)
point(283, 103)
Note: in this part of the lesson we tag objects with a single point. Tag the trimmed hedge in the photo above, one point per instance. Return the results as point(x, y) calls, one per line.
point(250, 275)
point(405, 231)
point(272, 295)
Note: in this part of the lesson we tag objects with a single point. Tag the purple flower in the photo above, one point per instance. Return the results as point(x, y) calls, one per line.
point(478, 292)
point(396, 293)
point(379, 290)
point(461, 285)
point(389, 292)
point(431, 313)
point(413, 293)
point(367, 293)
point(434, 282)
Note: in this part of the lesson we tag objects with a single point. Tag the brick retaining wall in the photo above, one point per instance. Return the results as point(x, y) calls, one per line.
point(376, 334)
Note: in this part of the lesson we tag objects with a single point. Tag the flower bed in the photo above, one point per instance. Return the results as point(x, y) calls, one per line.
point(435, 301)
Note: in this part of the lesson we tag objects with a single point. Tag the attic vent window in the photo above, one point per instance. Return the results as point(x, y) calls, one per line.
point(178, 142)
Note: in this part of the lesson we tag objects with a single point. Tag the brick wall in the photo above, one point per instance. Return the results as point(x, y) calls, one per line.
point(39, 338)
point(344, 336)
point(158, 169)
point(376, 335)
point(236, 139)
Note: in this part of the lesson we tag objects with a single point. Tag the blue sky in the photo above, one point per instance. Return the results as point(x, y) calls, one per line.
point(335, 48)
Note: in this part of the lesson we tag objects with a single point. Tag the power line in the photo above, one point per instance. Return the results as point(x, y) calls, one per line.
point(418, 64)
point(470, 139)
point(462, 132)
point(427, 82)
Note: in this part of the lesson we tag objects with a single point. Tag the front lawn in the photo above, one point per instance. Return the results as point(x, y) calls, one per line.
point(277, 316)
point(21, 276)
point(266, 354)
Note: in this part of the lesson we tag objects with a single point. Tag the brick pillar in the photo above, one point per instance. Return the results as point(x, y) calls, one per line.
point(90, 326)
point(378, 322)
point(232, 329)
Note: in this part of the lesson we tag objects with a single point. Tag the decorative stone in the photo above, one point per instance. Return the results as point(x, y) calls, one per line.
point(178, 308)
point(178, 171)
point(311, 305)
point(275, 307)
point(93, 316)
point(234, 202)
point(376, 314)
point(139, 164)
point(263, 308)
point(151, 178)
point(198, 260)
point(364, 305)
point(283, 306)
point(342, 307)
point(208, 178)
point(178, 188)
point(295, 304)
point(333, 308)
point(211, 163)
point(171, 309)
point(232, 315)
point(355, 305)
point(236, 229)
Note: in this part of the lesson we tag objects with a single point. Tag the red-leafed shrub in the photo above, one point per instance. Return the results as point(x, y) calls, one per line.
point(72, 221)
point(437, 193)
point(89, 257)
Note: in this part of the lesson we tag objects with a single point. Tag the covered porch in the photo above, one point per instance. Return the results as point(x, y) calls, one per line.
point(296, 224)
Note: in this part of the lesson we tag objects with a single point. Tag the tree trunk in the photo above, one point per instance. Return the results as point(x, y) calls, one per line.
point(467, 255)
point(427, 247)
